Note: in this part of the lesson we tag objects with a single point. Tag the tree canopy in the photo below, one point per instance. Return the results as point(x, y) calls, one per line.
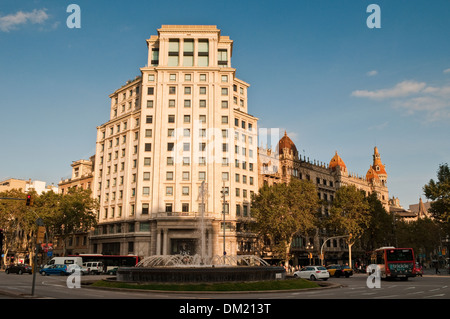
point(439, 193)
point(284, 210)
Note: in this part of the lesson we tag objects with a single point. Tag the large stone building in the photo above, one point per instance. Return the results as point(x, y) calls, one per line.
point(181, 124)
point(285, 163)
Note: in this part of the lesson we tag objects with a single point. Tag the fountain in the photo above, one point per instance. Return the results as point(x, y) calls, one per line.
point(183, 268)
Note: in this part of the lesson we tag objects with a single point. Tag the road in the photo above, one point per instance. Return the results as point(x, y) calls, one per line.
point(15, 286)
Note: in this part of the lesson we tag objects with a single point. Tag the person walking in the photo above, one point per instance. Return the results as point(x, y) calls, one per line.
point(436, 265)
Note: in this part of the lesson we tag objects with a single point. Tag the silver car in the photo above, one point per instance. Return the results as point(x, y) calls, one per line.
point(313, 273)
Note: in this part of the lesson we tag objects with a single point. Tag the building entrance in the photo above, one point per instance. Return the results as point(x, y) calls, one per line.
point(183, 246)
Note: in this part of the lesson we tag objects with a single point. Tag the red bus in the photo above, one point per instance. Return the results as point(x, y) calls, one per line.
point(111, 261)
point(394, 262)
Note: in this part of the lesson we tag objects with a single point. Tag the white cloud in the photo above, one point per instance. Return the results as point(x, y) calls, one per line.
point(372, 73)
point(414, 97)
point(401, 89)
point(447, 70)
point(11, 21)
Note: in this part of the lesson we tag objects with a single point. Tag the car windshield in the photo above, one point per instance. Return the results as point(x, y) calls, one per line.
point(321, 268)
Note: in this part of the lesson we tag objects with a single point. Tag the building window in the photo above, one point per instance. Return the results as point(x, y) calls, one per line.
point(224, 119)
point(148, 147)
point(169, 191)
point(149, 119)
point(145, 191)
point(147, 161)
point(150, 91)
point(223, 57)
point(172, 89)
point(185, 190)
point(154, 61)
point(188, 52)
point(174, 48)
point(185, 207)
point(171, 119)
point(202, 103)
point(203, 52)
point(146, 176)
point(169, 176)
point(168, 207)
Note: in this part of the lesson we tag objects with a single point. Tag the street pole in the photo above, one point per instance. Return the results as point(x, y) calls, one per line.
point(223, 211)
point(39, 223)
point(321, 248)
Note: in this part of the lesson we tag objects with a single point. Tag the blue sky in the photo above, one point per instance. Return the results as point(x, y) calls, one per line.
point(315, 69)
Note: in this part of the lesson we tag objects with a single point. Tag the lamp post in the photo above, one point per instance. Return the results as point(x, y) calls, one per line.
point(321, 248)
point(309, 248)
point(223, 212)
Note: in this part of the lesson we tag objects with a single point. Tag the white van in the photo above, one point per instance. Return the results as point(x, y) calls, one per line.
point(66, 261)
point(93, 267)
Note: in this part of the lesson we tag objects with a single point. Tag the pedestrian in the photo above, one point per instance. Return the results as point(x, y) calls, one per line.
point(437, 268)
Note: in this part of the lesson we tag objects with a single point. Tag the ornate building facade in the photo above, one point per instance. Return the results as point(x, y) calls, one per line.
point(285, 163)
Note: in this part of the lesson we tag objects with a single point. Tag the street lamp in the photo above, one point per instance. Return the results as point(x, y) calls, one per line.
point(223, 212)
point(322, 257)
point(309, 248)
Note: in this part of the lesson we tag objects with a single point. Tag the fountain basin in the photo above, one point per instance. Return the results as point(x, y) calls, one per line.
point(199, 274)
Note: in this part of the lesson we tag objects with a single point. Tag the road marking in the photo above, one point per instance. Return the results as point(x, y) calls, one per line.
point(416, 293)
point(392, 296)
point(432, 296)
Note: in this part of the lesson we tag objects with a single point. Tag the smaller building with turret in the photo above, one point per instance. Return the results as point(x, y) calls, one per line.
point(284, 163)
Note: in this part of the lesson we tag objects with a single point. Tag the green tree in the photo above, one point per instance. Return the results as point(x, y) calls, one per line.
point(380, 231)
point(18, 222)
point(349, 215)
point(75, 213)
point(439, 193)
point(284, 210)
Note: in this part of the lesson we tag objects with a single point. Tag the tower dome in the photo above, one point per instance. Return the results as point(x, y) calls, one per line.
point(337, 161)
point(372, 175)
point(286, 143)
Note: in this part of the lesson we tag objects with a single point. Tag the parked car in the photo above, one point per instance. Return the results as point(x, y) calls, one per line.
point(56, 269)
point(19, 269)
point(93, 267)
point(112, 271)
point(313, 273)
point(74, 267)
point(335, 270)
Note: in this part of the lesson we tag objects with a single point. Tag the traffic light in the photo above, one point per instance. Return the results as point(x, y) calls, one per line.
point(28, 200)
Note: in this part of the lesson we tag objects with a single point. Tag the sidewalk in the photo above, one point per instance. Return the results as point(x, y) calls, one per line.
point(432, 272)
